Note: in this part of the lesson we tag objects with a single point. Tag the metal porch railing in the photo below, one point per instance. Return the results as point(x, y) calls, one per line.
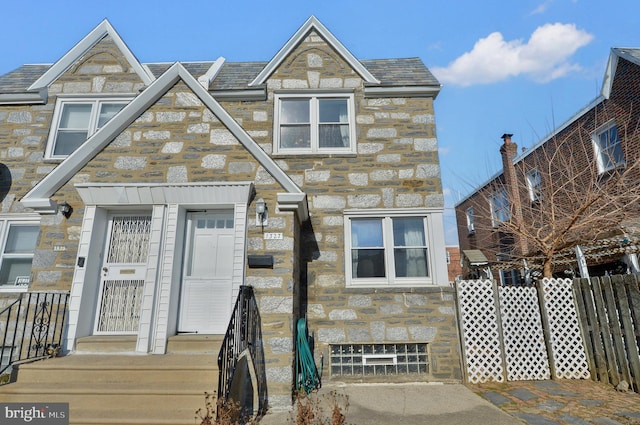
point(244, 335)
point(31, 327)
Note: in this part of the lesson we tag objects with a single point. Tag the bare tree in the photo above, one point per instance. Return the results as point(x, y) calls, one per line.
point(566, 193)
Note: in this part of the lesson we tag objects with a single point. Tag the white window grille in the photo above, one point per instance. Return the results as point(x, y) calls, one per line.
point(129, 241)
point(120, 306)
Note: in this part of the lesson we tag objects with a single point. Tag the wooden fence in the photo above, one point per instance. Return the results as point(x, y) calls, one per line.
point(609, 312)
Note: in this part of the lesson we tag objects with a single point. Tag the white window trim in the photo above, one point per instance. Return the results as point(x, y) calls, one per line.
point(471, 220)
point(6, 221)
point(314, 149)
point(495, 220)
point(93, 120)
point(597, 148)
point(433, 245)
point(534, 191)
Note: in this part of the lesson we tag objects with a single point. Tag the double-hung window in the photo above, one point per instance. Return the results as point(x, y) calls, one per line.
point(319, 123)
point(608, 148)
point(471, 220)
point(534, 185)
point(387, 249)
point(75, 120)
point(18, 242)
point(500, 212)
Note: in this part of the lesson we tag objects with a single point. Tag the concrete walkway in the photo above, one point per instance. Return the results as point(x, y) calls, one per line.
point(406, 404)
point(560, 402)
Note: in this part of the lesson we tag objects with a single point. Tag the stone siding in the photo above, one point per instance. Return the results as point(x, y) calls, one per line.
point(178, 140)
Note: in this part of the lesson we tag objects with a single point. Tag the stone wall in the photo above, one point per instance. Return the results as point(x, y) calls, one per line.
point(179, 140)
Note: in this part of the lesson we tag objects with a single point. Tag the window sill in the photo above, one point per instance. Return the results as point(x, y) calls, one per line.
point(12, 288)
point(606, 174)
point(281, 155)
point(423, 289)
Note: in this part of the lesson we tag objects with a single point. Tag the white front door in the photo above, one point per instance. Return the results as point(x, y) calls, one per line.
point(122, 275)
point(208, 270)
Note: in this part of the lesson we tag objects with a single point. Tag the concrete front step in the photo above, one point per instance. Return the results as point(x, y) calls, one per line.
point(119, 389)
point(121, 369)
point(106, 344)
point(123, 344)
point(195, 343)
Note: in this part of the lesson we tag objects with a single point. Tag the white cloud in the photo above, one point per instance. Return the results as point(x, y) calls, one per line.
point(541, 8)
point(543, 58)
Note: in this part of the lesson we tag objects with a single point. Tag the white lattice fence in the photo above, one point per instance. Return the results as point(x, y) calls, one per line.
point(512, 341)
point(569, 356)
point(480, 334)
point(523, 335)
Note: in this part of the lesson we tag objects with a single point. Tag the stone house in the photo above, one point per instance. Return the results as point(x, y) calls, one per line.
point(597, 144)
point(159, 189)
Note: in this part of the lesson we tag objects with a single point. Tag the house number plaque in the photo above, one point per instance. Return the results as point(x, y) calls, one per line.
point(273, 235)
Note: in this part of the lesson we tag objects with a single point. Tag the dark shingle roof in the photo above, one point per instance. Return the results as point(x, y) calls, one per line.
point(238, 75)
point(401, 72)
point(18, 80)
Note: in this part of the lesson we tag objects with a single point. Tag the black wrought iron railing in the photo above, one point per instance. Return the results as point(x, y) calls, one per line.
point(243, 336)
point(31, 327)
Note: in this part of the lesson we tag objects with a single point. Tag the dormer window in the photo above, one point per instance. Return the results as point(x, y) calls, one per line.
point(75, 120)
point(319, 123)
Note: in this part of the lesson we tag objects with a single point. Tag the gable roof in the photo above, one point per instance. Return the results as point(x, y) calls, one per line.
point(39, 196)
point(98, 33)
point(315, 24)
point(630, 54)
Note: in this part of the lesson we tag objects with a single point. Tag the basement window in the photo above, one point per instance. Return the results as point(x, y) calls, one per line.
point(379, 359)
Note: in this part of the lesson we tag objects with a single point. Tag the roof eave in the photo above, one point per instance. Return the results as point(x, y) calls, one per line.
point(39, 97)
point(403, 91)
point(296, 202)
point(249, 94)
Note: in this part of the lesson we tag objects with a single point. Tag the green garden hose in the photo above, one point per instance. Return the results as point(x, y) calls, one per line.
point(307, 377)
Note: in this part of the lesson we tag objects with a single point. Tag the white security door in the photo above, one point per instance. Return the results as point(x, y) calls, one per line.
point(122, 275)
point(208, 271)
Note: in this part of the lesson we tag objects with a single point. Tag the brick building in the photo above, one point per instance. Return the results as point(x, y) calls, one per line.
point(598, 146)
point(157, 184)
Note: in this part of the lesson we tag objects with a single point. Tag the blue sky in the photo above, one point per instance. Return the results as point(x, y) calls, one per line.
point(520, 67)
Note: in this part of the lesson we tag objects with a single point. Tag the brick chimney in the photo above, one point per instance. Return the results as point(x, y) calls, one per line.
point(508, 151)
